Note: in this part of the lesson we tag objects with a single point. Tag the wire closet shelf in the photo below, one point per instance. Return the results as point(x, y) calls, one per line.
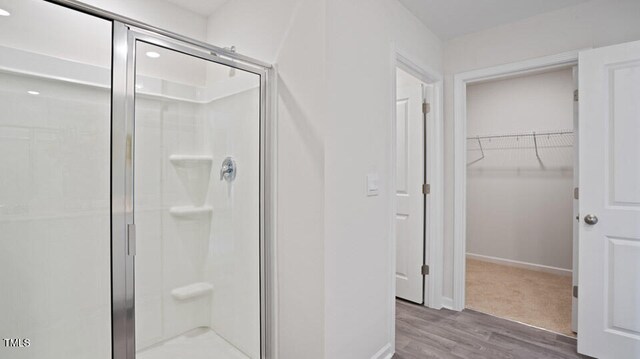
point(481, 146)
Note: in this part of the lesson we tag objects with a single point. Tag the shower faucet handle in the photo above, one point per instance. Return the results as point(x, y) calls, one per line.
point(228, 170)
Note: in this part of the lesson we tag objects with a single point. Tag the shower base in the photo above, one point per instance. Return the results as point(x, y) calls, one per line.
point(201, 343)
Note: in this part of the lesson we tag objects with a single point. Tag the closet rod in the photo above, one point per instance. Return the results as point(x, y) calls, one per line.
point(532, 134)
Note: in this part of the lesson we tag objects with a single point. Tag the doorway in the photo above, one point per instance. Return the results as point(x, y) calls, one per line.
point(603, 270)
point(412, 114)
point(416, 208)
point(515, 239)
point(520, 181)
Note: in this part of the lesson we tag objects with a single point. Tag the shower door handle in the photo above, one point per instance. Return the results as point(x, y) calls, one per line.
point(131, 239)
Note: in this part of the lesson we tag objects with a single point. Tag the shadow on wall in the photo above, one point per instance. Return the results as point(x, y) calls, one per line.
point(302, 125)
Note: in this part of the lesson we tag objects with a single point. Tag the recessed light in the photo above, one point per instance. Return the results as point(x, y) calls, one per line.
point(4, 12)
point(139, 86)
point(153, 54)
point(33, 92)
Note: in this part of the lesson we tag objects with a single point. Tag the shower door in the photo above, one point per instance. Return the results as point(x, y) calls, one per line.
point(187, 180)
point(54, 182)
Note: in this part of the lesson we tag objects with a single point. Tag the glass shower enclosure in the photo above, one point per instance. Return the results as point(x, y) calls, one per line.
point(133, 190)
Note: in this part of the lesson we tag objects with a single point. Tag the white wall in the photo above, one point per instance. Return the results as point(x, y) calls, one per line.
point(361, 38)
point(301, 183)
point(257, 28)
point(517, 208)
point(334, 107)
point(593, 24)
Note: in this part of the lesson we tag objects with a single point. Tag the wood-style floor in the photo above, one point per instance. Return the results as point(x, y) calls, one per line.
point(428, 333)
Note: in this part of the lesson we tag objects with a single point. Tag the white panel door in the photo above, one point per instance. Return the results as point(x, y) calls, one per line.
point(609, 253)
point(409, 197)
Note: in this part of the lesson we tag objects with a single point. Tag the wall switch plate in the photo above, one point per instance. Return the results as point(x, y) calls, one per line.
point(373, 184)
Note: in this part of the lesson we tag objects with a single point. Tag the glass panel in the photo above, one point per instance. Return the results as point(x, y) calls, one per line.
point(197, 263)
point(55, 101)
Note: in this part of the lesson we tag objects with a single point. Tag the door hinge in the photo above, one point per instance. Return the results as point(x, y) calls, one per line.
point(426, 107)
point(426, 188)
point(425, 269)
point(576, 193)
point(576, 95)
point(575, 291)
point(131, 239)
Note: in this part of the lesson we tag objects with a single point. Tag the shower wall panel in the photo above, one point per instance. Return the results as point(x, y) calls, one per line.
point(54, 218)
point(197, 262)
point(234, 255)
point(172, 250)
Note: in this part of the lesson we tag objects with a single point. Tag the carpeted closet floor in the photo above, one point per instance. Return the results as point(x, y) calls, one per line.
point(532, 297)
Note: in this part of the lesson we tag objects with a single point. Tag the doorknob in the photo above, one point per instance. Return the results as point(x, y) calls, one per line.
point(590, 219)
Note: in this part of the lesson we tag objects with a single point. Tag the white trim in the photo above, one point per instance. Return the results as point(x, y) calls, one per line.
point(272, 116)
point(421, 71)
point(460, 152)
point(434, 167)
point(436, 214)
point(519, 264)
point(447, 303)
point(386, 352)
point(391, 215)
point(576, 203)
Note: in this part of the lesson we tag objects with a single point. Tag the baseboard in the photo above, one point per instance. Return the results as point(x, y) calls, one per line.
point(386, 352)
point(447, 302)
point(518, 264)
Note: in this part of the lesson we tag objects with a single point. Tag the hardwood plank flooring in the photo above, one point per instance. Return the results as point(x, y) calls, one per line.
point(428, 333)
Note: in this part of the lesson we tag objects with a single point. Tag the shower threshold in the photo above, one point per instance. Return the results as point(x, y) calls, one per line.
point(200, 343)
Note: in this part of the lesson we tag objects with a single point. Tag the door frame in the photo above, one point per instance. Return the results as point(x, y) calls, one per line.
point(461, 80)
point(433, 222)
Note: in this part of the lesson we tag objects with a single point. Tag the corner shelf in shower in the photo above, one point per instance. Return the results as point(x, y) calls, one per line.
point(192, 291)
point(190, 161)
point(191, 212)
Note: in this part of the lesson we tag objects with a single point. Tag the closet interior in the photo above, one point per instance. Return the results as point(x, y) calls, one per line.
point(521, 143)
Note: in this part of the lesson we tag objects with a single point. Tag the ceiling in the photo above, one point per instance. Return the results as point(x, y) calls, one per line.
point(451, 18)
point(201, 7)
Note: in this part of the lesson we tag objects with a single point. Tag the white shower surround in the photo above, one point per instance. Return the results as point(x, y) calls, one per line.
point(232, 307)
point(216, 242)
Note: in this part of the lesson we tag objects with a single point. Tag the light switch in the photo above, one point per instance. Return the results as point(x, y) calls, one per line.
point(373, 181)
